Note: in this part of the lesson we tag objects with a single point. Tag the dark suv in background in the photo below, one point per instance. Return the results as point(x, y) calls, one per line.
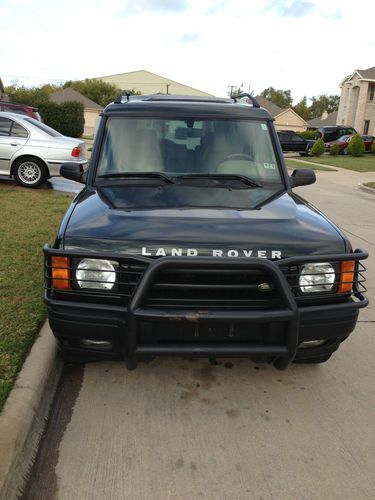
point(290, 141)
point(333, 133)
point(22, 109)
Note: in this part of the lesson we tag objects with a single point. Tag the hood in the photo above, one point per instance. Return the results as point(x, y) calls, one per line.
point(282, 227)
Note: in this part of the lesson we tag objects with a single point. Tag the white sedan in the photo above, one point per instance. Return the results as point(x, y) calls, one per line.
point(31, 152)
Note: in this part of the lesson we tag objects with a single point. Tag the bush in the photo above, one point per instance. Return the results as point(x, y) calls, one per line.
point(356, 146)
point(334, 150)
point(373, 148)
point(67, 118)
point(309, 134)
point(318, 148)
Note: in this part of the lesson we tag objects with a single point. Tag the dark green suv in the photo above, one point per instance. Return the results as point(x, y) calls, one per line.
point(188, 240)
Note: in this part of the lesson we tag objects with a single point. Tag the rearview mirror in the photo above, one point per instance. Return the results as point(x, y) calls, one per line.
point(302, 177)
point(73, 171)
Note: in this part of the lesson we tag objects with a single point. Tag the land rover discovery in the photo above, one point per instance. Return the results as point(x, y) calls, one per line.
point(188, 240)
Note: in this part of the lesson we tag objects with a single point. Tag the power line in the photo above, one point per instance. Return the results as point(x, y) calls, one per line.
point(35, 77)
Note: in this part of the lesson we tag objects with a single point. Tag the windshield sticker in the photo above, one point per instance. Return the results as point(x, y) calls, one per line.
point(264, 126)
point(270, 166)
point(194, 252)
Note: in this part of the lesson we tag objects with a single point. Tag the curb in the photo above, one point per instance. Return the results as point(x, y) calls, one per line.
point(366, 189)
point(25, 412)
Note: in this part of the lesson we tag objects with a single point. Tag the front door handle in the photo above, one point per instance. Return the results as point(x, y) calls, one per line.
point(14, 144)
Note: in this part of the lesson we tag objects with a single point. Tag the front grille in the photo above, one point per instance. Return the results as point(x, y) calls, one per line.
point(213, 288)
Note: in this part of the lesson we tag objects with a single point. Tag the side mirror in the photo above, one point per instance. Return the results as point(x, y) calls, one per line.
point(302, 177)
point(73, 171)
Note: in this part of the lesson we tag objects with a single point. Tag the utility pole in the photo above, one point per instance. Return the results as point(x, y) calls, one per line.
point(168, 84)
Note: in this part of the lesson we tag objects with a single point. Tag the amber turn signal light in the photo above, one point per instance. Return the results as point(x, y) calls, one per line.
point(60, 272)
point(347, 276)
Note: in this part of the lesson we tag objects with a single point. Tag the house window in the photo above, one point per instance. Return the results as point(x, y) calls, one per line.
point(366, 127)
point(372, 92)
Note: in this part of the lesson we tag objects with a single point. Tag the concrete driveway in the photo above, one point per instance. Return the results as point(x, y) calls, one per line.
point(175, 429)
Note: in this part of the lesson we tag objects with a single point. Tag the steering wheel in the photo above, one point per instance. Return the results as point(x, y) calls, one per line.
point(237, 156)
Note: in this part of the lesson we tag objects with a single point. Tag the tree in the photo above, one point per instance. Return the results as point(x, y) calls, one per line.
point(33, 96)
point(356, 146)
point(67, 117)
point(98, 91)
point(281, 98)
point(323, 103)
point(302, 109)
point(318, 148)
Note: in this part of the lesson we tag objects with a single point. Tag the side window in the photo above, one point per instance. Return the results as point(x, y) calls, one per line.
point(5, 125)
point(18, 130)
point(297, 138)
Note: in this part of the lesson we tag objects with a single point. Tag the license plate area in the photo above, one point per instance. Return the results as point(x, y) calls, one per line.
point(178, 332)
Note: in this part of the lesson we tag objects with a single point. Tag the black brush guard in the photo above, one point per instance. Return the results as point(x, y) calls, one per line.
point(289, 313)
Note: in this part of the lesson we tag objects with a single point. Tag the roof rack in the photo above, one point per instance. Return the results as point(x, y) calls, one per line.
point(169, 97)
point(124, 93)
point(174, 97)
point(254, 102)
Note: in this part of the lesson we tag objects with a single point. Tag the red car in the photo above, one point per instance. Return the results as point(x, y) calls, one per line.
point(344, 140)
point(22, 109)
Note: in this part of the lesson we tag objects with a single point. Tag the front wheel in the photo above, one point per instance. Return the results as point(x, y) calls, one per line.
point(30, 172)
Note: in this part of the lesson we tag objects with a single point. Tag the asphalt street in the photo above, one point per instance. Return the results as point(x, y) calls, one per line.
point(176, 429)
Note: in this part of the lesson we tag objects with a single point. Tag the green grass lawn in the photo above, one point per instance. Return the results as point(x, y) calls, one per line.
point(292, 164)
point(29, 218)
point(370, 184)
point(364, 163)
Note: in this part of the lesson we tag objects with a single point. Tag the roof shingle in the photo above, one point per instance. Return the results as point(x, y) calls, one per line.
point(272, 108)
point(330, 119)
point(70, 94)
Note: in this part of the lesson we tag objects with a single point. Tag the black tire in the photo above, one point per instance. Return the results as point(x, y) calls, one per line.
point(313, 361)
point(30, 172)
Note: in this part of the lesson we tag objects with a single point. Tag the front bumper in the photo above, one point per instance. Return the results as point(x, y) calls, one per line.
point(138, 331)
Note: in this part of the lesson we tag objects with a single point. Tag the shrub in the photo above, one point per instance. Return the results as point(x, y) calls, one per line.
point(373, 148)
point(318, 148)
point(309, 134)
point(356, 146)
point(67, 118)
point(334, 150)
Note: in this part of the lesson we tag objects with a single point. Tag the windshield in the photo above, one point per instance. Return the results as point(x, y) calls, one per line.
point(183, 147)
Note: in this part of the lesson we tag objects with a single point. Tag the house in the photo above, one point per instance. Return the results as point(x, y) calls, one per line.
point(357, 101)
point(285, 118)
point(91, 108)
point(3, 96)
point(327, 119)
point(150, 83)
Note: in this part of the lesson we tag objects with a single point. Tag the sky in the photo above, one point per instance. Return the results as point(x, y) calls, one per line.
point(305, 46)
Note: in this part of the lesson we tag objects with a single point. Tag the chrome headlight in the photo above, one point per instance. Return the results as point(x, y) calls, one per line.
point(96, 273)
point(319, 277)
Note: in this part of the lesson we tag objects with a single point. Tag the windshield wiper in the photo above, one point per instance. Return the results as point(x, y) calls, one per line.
point(137, 175)
point(221, 177)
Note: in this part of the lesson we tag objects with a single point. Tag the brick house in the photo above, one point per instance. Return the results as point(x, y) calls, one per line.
point(357, 101)
point(285, 118)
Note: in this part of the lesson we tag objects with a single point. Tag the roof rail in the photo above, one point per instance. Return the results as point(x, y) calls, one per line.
point(254, 102)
